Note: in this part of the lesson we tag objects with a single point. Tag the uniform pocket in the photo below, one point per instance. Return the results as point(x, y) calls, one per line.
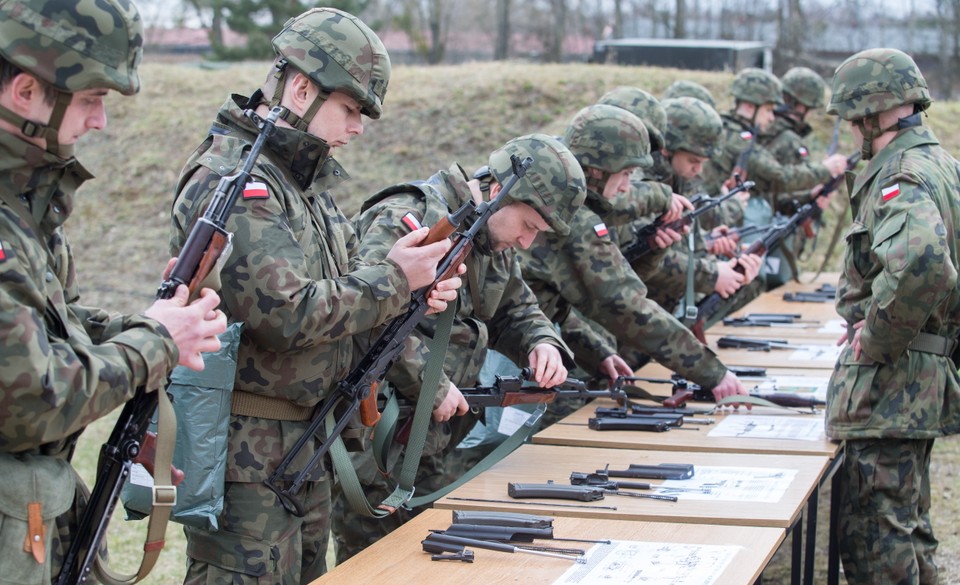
point(33, 492)
point(858, 253)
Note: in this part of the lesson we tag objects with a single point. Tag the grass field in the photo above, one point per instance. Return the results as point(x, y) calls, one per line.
point(433, 116)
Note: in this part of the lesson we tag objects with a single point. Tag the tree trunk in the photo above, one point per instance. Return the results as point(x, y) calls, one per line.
point(437, 45)
point(680, 20)
point(554, 49)
point(502, 49)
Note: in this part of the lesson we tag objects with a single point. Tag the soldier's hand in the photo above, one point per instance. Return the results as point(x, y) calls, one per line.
point(194, 327)
point(454, 404)
point(678, 203)
point(730, 385)
point(445, 292)
point(721, 243)
point(666, 237)
point(855, 342)
point(547, 365)
point(614, 366)
point(836, 164)
point(751, 264)
point(418, 263)
point(728, 279)
point(821, 202)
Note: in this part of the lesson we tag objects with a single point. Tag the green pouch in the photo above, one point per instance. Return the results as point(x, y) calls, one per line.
point(201, 401)
point(31, 485)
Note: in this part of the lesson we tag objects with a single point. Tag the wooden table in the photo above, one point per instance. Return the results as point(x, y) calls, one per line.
point(399, 559)
point(540, 463)
point(819, 354)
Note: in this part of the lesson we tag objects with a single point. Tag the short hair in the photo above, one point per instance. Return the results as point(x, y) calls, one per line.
point(8, 71)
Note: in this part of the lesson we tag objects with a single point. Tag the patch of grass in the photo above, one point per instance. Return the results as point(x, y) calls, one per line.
point(433, 116)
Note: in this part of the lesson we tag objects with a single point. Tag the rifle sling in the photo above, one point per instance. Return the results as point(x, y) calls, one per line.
point(403, 492)
point(249, 404)
point(164, 499)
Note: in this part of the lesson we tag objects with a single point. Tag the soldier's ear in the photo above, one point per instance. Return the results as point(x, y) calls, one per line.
point(25, 91)
point(494, 189)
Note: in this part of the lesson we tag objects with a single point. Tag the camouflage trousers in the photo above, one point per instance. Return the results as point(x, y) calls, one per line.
point(353, 532)
point(259, 542)
point(885, 536)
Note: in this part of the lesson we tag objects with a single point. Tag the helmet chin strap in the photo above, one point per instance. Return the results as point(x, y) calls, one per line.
point(874, 131)
point(50, 131)
point(299, 122)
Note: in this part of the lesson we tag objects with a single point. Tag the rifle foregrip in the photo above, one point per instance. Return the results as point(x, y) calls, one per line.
point(439, 231)
point(369, 415)
point(551, 491)
point(218, 242)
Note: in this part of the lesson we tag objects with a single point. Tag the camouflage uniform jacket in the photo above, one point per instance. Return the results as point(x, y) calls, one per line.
point(784, 139)
point(900, 276)
point(643, 203)
point(292, 277)
point(762, 166)
point(586, 270)
point(495, 308)
point(64, 364)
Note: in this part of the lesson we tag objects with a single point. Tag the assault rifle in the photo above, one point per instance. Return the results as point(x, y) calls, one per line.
point(714, 304)
point(752, 344)
point(769, 320)
point(684, 391)
point(827, 293)
point(645, 238)
point(208, 242)
point(830, 186)
point(511, 390)
point(358, 391)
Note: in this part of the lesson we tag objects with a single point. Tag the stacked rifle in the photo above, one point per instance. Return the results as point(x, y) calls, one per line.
point(786, 320)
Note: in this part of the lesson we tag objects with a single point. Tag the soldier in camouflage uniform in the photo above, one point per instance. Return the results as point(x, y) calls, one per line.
point(895, 387)
point(693, 132)
point(65, 365)
point(496, 309)
point(687, 88)
point(586, 270)
point(803, 91)
point(294, 279)
point(755, 94)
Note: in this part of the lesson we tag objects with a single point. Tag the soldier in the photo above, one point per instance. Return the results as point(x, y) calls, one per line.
point(803, 92)
point(693, 132)
point(687, 88)
point(586, 270)
point(755, 94)
point(293, 278)
point(65, 365)
point(496, 308)
point(895, 387)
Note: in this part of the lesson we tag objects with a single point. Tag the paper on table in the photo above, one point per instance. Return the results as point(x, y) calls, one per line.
point(651, 563)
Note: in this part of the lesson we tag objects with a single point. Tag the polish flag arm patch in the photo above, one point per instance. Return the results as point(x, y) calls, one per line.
point(411, 221)
point(746, 135)
point(601, 229)
point(890, 192)
point(255, 190)
point(3, 253)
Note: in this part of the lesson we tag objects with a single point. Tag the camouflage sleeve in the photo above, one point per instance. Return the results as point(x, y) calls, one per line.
point(378, 229)
point(55, 379)
point(917, 273)
point(763, 164)
point(607, 291)
point(591, 343)
point(285, 279)
point(518, 325)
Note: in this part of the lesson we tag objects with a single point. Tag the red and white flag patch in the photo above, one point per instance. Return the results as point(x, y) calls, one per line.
point(411, 221)
point(601, 229)
point(746, 135)
point(890, 192)
point(255, 190)
point(803, 152)
point(3, 253)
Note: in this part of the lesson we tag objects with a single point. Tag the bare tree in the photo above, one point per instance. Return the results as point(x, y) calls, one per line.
point(791, 24)
point(948, 12)
point(553, 47)
point(680, 20)
point(501, 49)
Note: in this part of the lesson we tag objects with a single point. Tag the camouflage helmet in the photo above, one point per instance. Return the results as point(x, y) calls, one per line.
point(608, 138)
point(642, 105)
point(874, 81)
point(757, 87)
point(554, 185)
point(338, 52)
point(693, 126)
point(687, 88)
point(805, 85)
point(74, 45)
